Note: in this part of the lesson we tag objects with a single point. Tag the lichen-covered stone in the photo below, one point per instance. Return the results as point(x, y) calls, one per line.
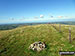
point(38, 46)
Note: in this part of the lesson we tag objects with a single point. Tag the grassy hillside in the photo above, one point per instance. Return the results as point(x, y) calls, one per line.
point(15, 42)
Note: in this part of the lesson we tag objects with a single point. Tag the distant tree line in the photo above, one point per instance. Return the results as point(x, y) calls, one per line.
point(7, 27)
point(65, 22)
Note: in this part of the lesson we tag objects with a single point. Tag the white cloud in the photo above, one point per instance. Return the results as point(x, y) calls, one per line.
point(41, 16)
point(35, 17)
point(51, 16)
point(60, 16)
point(11, 18)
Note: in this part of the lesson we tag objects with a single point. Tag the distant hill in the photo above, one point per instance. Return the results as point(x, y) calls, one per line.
point(65, 22)
point(12, 26)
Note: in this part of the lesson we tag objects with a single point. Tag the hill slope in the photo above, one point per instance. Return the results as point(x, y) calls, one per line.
point(16, 42)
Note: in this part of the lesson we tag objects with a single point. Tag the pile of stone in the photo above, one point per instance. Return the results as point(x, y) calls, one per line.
point(38, 46)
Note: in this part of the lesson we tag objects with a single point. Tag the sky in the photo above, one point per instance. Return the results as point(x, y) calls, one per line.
point(27, 11)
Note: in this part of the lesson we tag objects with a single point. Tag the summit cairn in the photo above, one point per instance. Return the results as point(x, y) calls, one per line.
point(37, 46)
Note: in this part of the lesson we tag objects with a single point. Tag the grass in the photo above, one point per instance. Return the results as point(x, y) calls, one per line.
point(15, 42)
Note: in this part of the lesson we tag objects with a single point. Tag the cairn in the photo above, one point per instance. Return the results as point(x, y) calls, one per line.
point(37, 46)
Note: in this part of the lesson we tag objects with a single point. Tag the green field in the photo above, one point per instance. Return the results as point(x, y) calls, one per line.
point(15, 42)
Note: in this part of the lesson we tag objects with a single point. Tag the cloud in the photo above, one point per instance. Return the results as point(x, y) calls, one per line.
point(41, 16)
point(60, 16)
point(35, 17)
point(11, 18)
point(66, 16)
point(23, 17)
point(51, 16)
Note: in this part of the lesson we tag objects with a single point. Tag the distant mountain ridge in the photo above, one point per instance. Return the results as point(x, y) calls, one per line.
point(12, 26)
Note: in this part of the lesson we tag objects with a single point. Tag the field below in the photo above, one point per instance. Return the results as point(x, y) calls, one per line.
point(16, 42)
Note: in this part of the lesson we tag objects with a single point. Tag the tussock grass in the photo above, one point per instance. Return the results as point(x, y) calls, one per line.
point(16, 42)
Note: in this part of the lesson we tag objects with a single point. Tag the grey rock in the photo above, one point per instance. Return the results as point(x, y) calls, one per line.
point(37, 46)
